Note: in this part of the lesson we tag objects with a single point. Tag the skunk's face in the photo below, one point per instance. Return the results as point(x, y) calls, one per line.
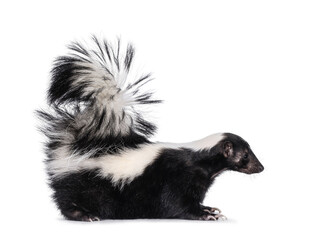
point(239, 155)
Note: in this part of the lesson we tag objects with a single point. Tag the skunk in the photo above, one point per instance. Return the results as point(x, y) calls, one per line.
point(100, 161)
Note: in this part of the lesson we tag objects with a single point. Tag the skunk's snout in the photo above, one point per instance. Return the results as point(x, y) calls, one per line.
point(255, 166)
point(257, 169)
point(260, 168)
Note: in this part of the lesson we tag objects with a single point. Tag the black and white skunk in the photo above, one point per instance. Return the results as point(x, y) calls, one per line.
point(100, 162)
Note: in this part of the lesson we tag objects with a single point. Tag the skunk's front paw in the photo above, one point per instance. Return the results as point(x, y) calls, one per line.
point(79, 215)
point(212, 217)
point(211, 210)
point(212, 214)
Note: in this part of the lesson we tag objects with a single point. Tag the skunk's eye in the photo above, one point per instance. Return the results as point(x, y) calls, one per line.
point(245, 159)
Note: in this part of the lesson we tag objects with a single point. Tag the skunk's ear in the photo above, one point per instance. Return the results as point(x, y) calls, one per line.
point(227, 149)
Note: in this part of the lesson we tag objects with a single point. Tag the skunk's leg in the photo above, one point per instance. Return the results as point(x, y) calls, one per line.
point(77, 213)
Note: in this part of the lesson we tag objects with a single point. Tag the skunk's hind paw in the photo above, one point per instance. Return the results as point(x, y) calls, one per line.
point(78, 215)
point(91, 219)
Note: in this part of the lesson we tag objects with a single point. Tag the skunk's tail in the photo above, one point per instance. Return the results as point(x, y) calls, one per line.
point(94, 101)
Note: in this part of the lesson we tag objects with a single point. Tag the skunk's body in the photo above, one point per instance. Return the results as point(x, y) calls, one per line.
point(100, 162)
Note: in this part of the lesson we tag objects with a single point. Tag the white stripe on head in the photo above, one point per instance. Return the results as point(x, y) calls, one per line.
point(204, 143)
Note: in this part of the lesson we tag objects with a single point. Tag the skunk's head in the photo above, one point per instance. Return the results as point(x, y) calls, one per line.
point(239, 156)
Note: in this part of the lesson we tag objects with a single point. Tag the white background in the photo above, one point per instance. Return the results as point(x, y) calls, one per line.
point(247, 67)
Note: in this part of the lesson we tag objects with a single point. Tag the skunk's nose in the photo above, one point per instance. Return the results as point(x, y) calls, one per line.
point(260, 168)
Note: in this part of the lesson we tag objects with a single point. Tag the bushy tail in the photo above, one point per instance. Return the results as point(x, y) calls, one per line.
point(94, 101)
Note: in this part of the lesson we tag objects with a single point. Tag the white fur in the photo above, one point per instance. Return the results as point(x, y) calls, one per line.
point(204, 143)
point(130, 164)
point(107, 96)
point(123, 167)
point(107, 81)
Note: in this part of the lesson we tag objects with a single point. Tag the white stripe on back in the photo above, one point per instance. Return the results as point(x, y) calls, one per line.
point(125, 166)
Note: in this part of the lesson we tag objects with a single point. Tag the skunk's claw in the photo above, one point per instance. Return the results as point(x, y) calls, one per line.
point(208, 218)
point(220, 217)
point(94, 219)
point(213, 217)
point(214, 212)
point(89, 218)
point(211, 210)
